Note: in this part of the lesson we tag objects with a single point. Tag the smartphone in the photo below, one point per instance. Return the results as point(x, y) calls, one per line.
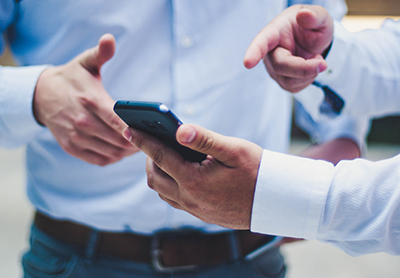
point(157, 120)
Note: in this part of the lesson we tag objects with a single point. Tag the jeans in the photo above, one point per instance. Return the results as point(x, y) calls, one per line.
point(49, 257)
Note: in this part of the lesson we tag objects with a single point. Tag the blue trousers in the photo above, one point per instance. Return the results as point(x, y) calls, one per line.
point(49, 257)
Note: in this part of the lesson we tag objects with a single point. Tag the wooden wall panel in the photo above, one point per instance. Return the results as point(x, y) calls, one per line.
point(374, 7)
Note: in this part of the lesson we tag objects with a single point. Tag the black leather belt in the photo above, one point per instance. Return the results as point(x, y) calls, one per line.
point(168, 250)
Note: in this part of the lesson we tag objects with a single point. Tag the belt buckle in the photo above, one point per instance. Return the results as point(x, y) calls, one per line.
point(156, 253)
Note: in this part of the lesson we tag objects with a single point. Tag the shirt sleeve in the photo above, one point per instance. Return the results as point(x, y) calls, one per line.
point(364, 69)
point(17, 85)
point(354, 205)
point(17, 122)
point(290, 195)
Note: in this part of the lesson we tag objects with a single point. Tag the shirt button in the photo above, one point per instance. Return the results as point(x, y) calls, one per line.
point(187, 42)
point(189, 111)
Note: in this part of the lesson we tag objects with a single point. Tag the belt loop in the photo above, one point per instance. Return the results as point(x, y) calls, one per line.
point(234, 244)
point(91, 247)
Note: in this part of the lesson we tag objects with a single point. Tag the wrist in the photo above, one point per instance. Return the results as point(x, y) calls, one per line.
point(37, 100)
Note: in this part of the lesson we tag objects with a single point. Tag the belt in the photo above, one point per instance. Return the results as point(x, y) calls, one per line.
point(165, 250)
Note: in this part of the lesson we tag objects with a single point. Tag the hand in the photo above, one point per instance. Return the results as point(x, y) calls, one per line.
point(71, 101)
point(220, 190)
point(292, 46)
point(333, 151)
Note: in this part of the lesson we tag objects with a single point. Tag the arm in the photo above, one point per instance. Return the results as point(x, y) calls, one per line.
point(17, 124)
point(360, 64)
point(345, 205)
point(353, 205)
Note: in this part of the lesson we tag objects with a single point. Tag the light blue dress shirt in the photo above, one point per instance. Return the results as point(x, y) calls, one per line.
point(186, 54)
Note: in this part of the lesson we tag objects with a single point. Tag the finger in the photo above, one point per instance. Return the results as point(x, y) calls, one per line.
point(101, 122)
point(166, 158)
point(294, 85)
point(102, 104)
point(227, 150)
point(289, 84)
point(82, 141)
point(264, 42)
point(282, 62)
point(160, 181)
point(94, 58)
point(171, 202)
point(316, 27)
point(87, 155)
point(313, 17)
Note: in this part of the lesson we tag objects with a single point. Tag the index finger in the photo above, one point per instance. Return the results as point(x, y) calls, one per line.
point(169, 160)
point(283, 62)
point(265, 41)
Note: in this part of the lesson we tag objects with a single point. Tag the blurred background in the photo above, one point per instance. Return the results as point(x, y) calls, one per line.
point(304, 259)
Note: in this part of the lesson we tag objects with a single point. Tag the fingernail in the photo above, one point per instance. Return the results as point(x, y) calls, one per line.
point(188, 135)
point(320, 68)
point(127, 134)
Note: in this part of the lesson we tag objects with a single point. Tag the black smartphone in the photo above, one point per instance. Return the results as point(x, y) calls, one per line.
point(157, 120)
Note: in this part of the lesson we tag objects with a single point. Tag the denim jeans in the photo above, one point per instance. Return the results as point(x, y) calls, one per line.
point(49, 257)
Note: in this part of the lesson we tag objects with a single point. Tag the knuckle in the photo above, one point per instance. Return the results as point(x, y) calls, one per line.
point(68, 147)
point(104, 162)
point(307, 72)
point(189, 205)
point(206, 143)
point(88, 101)
point(74, 137)
point(118, 154)
point(115, 122)
point(289, 84)
point(82, 121)
point(150, 180)
point(158, 156)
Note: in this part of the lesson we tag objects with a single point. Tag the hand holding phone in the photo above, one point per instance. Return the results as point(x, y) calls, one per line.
point(157, 120)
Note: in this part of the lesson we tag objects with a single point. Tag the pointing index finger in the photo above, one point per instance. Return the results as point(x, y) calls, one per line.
point(265, 41)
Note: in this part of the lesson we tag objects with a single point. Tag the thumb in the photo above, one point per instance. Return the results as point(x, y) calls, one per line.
point(94, 58)
point(224, 149)
point(314, 18)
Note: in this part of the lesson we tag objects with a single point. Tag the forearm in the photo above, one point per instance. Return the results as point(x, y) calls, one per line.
point(362, 207)
point(333, 151)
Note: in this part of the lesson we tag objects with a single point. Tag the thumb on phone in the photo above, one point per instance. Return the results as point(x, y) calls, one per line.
point(228, 150)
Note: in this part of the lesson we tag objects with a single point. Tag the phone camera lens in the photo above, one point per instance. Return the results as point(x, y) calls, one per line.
point(160, 125)
point(149, 125)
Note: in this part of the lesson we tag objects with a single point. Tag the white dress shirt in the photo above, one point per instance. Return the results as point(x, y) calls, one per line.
point(363, 69)
point(354, 205)
point(186, 54)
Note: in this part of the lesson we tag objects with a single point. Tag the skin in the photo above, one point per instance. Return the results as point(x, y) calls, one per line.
point(72, 102)
point(292, 45)
point(220, 189)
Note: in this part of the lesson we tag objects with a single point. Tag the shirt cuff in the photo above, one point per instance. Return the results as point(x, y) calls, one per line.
point(290, 195)
point(17, 122)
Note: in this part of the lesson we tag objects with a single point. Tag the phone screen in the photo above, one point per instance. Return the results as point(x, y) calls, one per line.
point(157, 120)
